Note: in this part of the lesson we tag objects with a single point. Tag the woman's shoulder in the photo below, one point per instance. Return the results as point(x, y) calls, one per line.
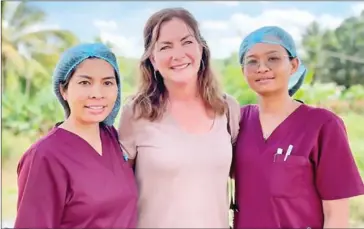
point(231, 100)
point(130, 124)
point(233, 104)
point(127, 109)
point(323, 116)
point(45, 147)
point(248, 107)
point(247, 111)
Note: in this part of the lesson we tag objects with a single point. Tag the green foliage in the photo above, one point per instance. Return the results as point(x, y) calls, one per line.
point(336, 55)
point(354, 92)
point(31, 116)
point(235, 85)
point(18, 34)
point(354, 123)
point(30, 109)
point(14, 145)
point(319, 93)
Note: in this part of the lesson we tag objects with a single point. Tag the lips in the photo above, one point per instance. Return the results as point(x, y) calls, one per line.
point(263, 79)
point(180, 66)
point(95, 107)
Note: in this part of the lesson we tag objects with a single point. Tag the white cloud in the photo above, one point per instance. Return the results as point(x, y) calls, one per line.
point(40, 27)
point(239, 25)
point(214, 25)
point(223, 46)
point(329, 21)
point(223, 36)
point(123, 42)
point(130, 46)
point(358, 8)
point(106, 25)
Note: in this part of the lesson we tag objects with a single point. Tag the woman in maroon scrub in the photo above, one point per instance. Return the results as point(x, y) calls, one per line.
point(76, 176)
point(293, 164)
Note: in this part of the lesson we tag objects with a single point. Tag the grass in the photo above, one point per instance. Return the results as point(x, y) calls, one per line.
point(354, 123)
point(12, 149)
point(9, 190)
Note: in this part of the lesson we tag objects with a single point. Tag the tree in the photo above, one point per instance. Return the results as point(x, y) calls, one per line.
point(337, 55)
point(347, 39)
point(312, 41)
point(21, 41)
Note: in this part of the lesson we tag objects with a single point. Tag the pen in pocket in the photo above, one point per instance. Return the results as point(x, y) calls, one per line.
point(279, 152)
point(290, 147)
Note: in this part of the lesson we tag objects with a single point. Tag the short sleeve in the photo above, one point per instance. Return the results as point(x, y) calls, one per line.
point(127, 131)
point(234, 117)
point(337, 175)
point(42, 185)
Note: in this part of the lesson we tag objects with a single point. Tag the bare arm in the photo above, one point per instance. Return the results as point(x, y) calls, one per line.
point(127, 133)
point(336, 213)
point(336, 186)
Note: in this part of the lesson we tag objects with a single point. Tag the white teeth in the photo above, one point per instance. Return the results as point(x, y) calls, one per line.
point(265, 79)
point(180, 67)
point(96, 107)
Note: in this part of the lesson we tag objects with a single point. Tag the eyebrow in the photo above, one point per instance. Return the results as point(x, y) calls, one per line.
point(90, 78)
point(269, 52)
point(183, 38)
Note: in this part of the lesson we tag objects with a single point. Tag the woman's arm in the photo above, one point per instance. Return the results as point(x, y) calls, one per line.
point(42, 185)
point(337, 176)
point(233, 117)
point(336, 213)
point(127, 133)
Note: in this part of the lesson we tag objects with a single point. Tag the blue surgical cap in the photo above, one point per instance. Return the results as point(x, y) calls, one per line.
point(278, 36)
point(71, 58)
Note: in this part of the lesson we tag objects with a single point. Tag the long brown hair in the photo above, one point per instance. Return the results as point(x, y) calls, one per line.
point(151, 99)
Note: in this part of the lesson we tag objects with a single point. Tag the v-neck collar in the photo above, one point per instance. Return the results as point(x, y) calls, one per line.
point(81, 146)
point(285, 125)
point(85, 143)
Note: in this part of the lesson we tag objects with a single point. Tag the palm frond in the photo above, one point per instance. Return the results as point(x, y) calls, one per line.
point(51, 36)
point(12, 57)
point(25, 15)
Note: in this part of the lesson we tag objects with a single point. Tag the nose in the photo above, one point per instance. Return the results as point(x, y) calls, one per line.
point(178, 53)
point(96, 92)
point(262, 68)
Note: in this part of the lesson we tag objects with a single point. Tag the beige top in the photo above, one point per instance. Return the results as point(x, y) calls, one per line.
point(182, 177)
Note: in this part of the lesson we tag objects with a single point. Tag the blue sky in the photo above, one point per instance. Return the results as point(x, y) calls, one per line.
point(222, 23)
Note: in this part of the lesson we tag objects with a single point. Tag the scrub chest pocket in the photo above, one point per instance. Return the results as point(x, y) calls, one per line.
point(287, 178)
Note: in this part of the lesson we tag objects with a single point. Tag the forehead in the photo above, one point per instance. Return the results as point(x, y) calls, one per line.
point(172, 30)
point(262, 49)
point(95, 67)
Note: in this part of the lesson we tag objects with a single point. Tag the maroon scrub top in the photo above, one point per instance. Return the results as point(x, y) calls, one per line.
point(64, 183)
point(288, 194)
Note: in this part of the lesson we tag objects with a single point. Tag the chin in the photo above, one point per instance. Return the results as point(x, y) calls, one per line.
point(182, 80)
point(94, 119)
point(267, 91)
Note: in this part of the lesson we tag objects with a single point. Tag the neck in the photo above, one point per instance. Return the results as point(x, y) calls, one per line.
point(275, 104)
point(188, 92)
point(86, 130)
